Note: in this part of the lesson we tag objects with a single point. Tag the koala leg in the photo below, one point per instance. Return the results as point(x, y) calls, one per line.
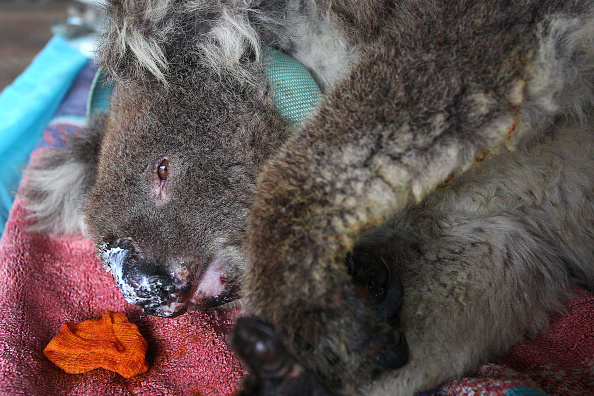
point(275, 371)
point(477, 288)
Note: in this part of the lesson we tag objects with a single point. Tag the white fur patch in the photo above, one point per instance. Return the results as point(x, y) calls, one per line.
point(229, 40)
point(60, 209)
point(323, 49)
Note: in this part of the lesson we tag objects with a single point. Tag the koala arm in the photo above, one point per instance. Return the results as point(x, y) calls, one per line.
point(404, 121)
point(277, 371)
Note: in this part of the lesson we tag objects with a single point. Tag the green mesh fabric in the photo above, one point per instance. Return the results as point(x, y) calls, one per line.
point(296, 93)
point(99, 94)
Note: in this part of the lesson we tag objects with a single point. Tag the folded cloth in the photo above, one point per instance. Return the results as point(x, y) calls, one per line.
point(46, 281)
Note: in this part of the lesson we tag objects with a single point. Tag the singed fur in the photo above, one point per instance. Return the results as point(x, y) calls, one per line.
point(455, 139)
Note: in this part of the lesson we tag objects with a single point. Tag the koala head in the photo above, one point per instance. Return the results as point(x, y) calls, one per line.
point(171, 194)
point(168, 174)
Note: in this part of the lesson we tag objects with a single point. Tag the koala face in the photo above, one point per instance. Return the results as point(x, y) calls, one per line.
point(169, 204)
point(164, 182)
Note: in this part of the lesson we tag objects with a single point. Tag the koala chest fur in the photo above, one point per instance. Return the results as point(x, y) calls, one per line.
point(435, 208)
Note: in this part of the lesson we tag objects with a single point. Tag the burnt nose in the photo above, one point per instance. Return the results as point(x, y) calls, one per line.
point(157, 294)
point(146, 283)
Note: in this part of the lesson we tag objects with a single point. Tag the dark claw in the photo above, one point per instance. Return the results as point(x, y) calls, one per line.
point(383, 284)
point(395, 353)
point(273, 370)
point(393, 292)
point(259, 346)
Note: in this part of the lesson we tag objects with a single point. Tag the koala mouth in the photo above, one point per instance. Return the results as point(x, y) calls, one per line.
point(214, 288)
point(166, 291)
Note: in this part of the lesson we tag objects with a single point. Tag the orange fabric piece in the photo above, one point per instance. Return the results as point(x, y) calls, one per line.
point(111, 342)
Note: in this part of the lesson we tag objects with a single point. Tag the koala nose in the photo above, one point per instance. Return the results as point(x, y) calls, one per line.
point(146, 283)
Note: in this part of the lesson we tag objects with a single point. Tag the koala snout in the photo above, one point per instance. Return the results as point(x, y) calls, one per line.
point(145, 283)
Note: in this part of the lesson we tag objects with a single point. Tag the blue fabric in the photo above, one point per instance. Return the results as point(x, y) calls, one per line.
point(69, 119)
point(25, 108)
point(525, 391)
point(99, 94)
point(517, 391)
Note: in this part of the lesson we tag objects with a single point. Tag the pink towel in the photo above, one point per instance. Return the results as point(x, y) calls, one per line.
point(46, 281)
point(560, 362)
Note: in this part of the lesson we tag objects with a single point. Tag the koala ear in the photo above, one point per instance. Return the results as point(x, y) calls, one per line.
point(56, 182)
point(142, 36)
point(148, 41)
point(132, 46)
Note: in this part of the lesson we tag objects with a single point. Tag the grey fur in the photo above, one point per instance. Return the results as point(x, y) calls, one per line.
point(502, 248)
point(455, 139)
point(56, 182)
point(434, 89)
point(215, 128)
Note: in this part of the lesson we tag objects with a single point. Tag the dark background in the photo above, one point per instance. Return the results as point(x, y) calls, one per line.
point(25, 28)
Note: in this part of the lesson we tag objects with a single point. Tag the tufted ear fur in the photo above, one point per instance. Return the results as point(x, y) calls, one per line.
point(56, 183)
point(156, 40)
point(133, 46)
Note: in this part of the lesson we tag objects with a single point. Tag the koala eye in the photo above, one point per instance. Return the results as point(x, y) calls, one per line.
point(163, 170)
point(161, 178)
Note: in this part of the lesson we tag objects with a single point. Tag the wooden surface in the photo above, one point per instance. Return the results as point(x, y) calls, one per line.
point(25, 28)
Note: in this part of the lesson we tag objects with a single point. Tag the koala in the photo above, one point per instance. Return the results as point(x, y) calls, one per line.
point(162, 184)
point(457, 143)
point(434, 210)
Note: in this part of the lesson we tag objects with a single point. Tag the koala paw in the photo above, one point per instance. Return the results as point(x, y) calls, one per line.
point(376, 281)
point(371, 302)
point(273, 370)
